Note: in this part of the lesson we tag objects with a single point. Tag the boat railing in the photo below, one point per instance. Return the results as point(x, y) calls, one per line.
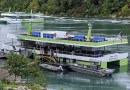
point(50, 51)
point(79, 54)
point(75, 53)
point(96, 40)
point(90, 55)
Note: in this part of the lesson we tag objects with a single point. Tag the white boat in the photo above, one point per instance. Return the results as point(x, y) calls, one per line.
point(21, 17)
point(114, 21)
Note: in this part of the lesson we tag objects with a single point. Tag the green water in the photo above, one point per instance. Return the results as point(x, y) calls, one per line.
point(72, 80)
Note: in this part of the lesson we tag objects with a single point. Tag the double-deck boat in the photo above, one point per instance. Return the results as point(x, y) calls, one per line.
point(77, 51)
point(21, 17)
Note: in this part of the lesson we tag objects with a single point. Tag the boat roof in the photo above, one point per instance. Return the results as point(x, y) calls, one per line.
point(21, 14)
point(52, 32)
point(110, 41)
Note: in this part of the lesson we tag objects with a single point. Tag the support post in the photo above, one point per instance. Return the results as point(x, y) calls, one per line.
point(123, 62)
point(103, 64)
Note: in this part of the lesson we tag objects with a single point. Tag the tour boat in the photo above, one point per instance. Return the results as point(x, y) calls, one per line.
point(82, 50)
point(21, 17)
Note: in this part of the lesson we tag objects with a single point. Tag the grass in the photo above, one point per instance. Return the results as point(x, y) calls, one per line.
point(91, 44)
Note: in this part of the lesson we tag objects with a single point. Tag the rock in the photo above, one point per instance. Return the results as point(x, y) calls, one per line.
point(42, 88)
point(10, 88)
point(22, 88)
point(18, 88)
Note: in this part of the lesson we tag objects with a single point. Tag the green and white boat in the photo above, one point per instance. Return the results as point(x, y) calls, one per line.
point(78, 49)
point(21, 17)
point(66, 49)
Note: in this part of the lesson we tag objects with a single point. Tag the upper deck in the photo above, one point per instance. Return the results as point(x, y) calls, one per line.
point(107, 42)
point(21, 14)
point(63, 37)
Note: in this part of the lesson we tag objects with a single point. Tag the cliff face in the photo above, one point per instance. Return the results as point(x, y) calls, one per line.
point(70, 7)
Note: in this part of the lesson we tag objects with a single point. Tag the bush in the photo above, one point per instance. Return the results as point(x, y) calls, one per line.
point(5, 83)
point(34, 86)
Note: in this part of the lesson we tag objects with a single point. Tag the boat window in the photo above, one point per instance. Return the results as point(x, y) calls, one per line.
point(13, 17)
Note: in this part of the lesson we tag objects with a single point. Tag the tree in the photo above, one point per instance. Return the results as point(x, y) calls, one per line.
point(68, 7)
point(34, 5)
point(19, 65)
point(125, 11)
point(16, 64)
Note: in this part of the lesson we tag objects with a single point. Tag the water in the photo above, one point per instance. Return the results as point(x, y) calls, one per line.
point(73, 80)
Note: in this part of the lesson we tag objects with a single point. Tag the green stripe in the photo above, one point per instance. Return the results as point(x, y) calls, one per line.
point(83, 62)
point(33, 21)
point(122, 62)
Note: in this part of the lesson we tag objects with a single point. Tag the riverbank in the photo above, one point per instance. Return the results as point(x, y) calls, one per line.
point(69, 7)
point(7, 82)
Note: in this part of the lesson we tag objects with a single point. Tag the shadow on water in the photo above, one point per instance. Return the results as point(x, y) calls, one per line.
point(79, 81)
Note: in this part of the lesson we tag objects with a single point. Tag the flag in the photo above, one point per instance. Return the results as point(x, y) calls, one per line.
point(120, 36)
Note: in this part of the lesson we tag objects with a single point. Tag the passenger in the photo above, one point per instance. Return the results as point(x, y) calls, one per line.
point(60, 68)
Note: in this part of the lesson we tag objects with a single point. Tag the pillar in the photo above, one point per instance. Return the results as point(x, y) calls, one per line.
point(124, 62)
point(103, 64)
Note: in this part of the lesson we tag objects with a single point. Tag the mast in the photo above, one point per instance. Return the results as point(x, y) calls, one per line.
point(89, 32)
point(30, 29)
point(9, 9)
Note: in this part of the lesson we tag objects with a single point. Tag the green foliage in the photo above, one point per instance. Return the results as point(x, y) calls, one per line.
point(20, 65)
point(62, 89)
point(34, 86)
point(34, 5)
point(5, 83)
point(125, 11)
point(69, 7)
point(16, 64)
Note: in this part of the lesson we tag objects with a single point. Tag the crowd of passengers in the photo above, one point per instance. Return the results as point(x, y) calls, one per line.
point(74, 51)
point(69, 50)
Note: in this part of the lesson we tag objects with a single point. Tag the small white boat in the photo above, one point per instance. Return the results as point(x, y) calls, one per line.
point(114, 21)
point(7, 48)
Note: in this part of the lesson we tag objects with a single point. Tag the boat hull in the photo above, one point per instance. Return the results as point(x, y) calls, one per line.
point(18, 21)
point(89, 71)
point(52, 67)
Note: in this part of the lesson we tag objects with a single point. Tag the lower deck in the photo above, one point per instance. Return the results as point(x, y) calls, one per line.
point(65, 61)
point(78, 54)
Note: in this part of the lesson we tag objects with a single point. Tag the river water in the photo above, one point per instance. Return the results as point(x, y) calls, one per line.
point(73, 80)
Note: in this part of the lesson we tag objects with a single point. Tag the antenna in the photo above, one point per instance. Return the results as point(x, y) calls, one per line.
point(89, 32)
point(31, 11)
point(9, 9)
point(30, 28)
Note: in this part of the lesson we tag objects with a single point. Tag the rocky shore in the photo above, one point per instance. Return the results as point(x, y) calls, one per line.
point(21, 88)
